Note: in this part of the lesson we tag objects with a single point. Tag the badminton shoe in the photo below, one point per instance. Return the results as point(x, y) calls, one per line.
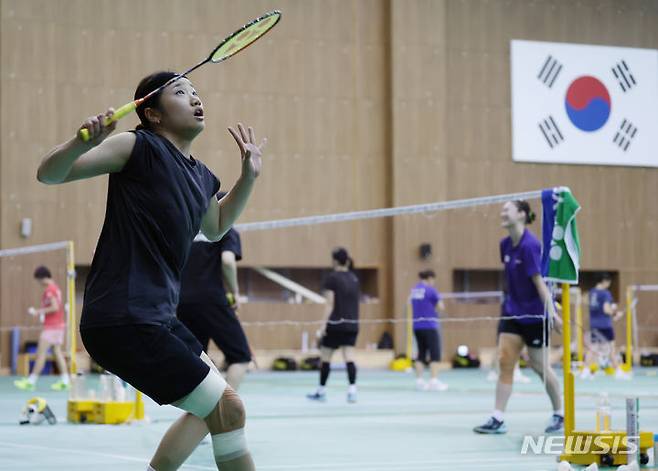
point(24, 384)
point(556, 424)
point(317, 396)
point(493, 426)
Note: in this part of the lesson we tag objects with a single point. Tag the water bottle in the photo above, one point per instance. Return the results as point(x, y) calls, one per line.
point(79, 390)
point(106, 388)
point(118, 390)
point(603, 413)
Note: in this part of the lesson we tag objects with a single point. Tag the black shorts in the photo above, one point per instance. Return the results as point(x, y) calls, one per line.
point(162, 360)
point(339, 338)
point(531, 333)
point(219, 323)
point(428, 341)
point(602, 335)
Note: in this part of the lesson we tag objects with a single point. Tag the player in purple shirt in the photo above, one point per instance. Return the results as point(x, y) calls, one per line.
point(527, 296)
point(602, 311)
point(426, 304)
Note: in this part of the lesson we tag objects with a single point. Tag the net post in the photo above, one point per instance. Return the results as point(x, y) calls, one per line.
point(569, 414)
point(579, 325)
point(410, 332)
point(139, 406)
point(70, 284)
point(629, 328)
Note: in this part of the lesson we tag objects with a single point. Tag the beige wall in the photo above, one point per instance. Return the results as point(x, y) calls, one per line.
point(452, 134)
point(366, 104)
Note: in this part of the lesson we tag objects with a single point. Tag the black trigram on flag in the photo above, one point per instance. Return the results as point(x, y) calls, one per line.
point(625, 134)
point(624, 76)
point(549, 71)
point(551, 132)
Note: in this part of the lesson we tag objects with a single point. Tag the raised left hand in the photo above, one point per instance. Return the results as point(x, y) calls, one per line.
point(251, 153)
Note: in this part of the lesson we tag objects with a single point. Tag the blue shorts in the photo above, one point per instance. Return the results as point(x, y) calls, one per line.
point(602, 335)
point(429, 343)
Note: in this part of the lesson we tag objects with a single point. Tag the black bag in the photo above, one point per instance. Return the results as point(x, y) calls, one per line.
point(284, 364)
point(468, 361)
point(649, 359)
point(385, 342)
point(310, 364)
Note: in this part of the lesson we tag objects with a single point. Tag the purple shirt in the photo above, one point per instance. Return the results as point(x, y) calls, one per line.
point(521, 264)
point(424, 299)
point(597, 318)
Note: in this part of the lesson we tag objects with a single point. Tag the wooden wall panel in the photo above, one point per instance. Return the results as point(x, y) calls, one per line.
point(19, 291)
point(618, 220)
point(366, 104)
point(316, 86)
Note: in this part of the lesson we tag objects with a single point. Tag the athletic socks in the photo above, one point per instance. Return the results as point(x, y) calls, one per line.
point(324, 373)
point(503, 393)
point(351, 372)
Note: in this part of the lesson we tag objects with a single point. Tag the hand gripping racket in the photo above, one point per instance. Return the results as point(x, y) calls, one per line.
point(230, 46)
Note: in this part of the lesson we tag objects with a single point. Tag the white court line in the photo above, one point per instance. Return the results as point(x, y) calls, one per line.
point(365, 465)
point(362, 466)
point(59, 450)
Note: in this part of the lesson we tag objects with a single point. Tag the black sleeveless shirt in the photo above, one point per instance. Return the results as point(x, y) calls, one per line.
point(154, 209)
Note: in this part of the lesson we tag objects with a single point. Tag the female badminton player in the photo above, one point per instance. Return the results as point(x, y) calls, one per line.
point(342, 291)
point(159, 196)
point(527, 295)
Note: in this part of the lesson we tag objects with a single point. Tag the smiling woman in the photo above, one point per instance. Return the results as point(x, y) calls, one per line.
point(159, 197)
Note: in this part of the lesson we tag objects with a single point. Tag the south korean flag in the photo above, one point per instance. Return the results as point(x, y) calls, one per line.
point(581, 104)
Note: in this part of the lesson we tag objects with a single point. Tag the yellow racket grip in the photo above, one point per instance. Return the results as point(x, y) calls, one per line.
point(118, 114)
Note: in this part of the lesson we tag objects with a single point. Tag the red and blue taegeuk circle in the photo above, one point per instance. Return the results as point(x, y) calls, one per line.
point(588, 103)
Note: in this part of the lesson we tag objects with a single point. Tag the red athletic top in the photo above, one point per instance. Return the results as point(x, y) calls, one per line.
point(53, 320)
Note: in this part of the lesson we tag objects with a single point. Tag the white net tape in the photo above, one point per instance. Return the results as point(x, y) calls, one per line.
point(387, 212)
point(33, 249)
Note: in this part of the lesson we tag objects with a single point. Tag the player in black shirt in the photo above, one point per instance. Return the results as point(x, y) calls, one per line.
point(158, 199)
point(342, 291)
point(207, 308)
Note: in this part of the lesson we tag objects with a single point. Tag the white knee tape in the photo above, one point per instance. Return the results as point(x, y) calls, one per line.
point(205, 396)
point(229, 446)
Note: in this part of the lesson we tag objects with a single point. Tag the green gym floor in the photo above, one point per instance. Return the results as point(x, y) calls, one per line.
point(393, 427)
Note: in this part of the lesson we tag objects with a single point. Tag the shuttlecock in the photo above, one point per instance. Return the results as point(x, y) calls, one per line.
point(592, 467)
point(564, 466)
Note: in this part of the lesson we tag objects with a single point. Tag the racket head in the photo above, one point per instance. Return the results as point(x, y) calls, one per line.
point(245, 36)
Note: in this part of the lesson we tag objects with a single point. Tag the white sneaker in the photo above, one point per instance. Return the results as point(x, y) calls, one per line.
point(622, 375)
point(519, 377)
point(436, 385)
point(492, 376)
point(421, 385)
point(586, 374)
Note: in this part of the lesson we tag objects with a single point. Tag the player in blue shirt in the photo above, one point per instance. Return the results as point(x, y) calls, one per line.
point(426, 304)
point(602, 312)
point(527, 309)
